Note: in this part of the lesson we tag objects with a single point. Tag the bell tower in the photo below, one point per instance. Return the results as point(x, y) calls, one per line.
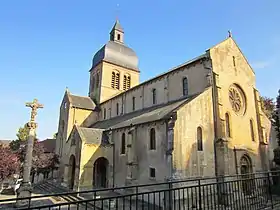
point(117, 33)
point(114, 68)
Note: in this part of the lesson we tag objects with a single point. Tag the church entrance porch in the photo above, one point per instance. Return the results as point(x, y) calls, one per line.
point(246, 171)
point(72, 166)
point(100, 173)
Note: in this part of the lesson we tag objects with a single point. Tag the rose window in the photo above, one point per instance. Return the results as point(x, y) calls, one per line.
point(237, 99)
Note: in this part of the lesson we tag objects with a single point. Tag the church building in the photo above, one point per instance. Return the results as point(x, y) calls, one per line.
point(201, 118)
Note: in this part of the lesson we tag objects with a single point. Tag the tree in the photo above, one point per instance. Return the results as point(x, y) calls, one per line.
point(22, 137)
point(38, 150)
point(9, 163)
point(268, 106)
point(22, 133)
point(55, 135)
point(276, 120)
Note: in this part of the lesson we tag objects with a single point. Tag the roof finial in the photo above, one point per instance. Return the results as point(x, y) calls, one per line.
point(66, 89)
point(229, 33)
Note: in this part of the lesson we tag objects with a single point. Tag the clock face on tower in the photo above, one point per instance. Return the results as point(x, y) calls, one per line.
point(237, 99)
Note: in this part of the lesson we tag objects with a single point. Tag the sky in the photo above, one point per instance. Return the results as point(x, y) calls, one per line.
point(48, 45)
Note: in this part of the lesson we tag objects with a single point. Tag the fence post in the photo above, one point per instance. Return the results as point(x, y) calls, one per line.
point(199, 195)
point(170, 203)
point(137, 197)
point(269, 189)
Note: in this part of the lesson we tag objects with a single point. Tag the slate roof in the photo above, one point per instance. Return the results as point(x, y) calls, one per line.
point(150, 114)
point(49, 145)
point(118, 54)
point(90, 135)
point(81, 102)
point(117, 26)
point(160, 75)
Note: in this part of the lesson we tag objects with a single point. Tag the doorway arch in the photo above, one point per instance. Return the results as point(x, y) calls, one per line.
point(71, 171)
point(100, 173)
point(246, 171)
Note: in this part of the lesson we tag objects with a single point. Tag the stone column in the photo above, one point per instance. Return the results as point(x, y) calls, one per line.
point(168, 196)
point(25, 188)
point(130, 156)
point(222, 168)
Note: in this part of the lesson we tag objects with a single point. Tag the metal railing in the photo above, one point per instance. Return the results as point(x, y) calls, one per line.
point(249, 191)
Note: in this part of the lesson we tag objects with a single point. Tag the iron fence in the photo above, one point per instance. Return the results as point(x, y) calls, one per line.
point(250, 192)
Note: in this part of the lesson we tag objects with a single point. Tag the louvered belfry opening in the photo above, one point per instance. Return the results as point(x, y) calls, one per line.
point(113, 80)
point(117, 84)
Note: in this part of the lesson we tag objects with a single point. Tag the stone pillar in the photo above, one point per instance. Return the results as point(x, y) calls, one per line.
point(65, 182)
point(25, 188)
point(168, 196)
point(222, 169)
point(131, 159)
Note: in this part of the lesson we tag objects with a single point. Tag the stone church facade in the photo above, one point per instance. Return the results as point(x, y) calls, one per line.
point(201, 118)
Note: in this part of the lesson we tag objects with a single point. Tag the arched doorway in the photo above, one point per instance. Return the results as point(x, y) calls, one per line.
point(71, 171)
point(100, 172)
point(246, 171)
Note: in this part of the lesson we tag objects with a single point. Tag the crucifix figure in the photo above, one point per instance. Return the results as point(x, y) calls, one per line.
point(25, 188)
point(34, 105)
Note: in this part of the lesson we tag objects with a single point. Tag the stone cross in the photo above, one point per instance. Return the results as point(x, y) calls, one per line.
point(25, 188)
point(229, 33)
point(34, 105)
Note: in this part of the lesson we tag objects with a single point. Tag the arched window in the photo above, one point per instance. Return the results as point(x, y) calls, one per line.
point(199, 139)
point(185, 86)
point(152, 139)
point(154, 92)
point(123, 144)
point(233, 61)
point(104, 113)
point(117, 85)
point(93, 83)
point(124, 82)
point(113, 80)
point(252, 130)
point(117, 108)
point(228, 131)
point(128, 82)
point(133, 103)
point(97, 80)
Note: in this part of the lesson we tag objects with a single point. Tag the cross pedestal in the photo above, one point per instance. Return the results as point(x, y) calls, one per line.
point(25, 188)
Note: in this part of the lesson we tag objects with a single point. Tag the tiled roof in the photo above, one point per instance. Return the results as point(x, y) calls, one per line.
point(90, 135)
point(81, 102)
point(5, 142)
point(150, 114)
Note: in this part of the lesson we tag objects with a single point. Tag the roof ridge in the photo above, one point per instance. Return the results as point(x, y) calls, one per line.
point(79, 96)
point(160, 75)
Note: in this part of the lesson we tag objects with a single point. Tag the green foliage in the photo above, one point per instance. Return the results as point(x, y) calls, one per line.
point(268, 106)
point(14, 145)
point(276, 120)
point(55, 135)
point(41, 161)
point(22, 133)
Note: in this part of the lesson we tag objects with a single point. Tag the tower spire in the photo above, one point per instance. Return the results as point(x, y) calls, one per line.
point(117, 33)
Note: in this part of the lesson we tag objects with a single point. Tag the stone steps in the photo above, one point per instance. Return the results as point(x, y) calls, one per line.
point(54, 188)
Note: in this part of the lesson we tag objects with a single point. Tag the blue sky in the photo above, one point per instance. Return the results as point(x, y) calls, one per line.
point(48, 45)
